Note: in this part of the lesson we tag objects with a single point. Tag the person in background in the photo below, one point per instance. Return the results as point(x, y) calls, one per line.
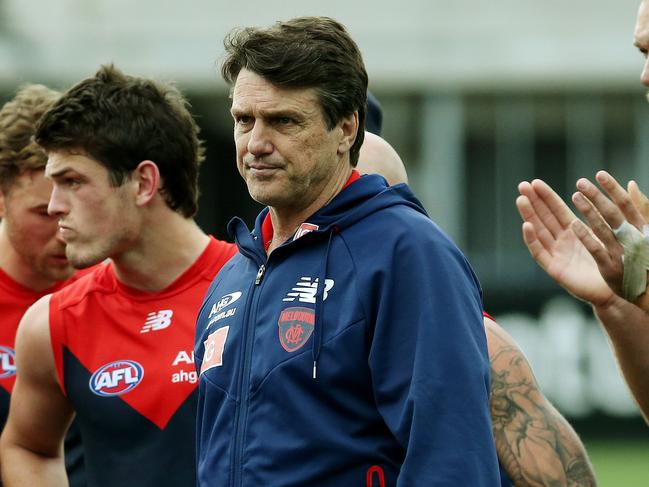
point(596, 263)
point(32, 253)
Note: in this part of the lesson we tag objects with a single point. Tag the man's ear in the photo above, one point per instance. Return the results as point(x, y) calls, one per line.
point(349, 129)
point(146, 180)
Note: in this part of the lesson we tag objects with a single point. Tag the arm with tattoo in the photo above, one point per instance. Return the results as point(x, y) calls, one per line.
point(535, 444)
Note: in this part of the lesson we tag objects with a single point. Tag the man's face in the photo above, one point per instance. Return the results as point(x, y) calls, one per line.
point(33, 233)
point(285, 152)
point(96, 220)
point(641, 39)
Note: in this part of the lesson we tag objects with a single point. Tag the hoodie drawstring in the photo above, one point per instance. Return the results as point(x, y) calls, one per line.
point(319, 306)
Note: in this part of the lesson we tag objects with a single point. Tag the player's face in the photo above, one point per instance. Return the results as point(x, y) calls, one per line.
point(641, 39)
point(285, 152)
point(96, 219)
point(33, 233)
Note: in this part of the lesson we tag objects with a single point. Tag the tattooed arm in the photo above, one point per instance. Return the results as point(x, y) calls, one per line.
point(535, 444)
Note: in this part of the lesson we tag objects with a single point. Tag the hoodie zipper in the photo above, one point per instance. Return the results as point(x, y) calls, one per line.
point(260, 274)
point(241, 413)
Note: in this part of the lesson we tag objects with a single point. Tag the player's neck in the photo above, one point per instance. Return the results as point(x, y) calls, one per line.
point(287, 220)
point(164, 251)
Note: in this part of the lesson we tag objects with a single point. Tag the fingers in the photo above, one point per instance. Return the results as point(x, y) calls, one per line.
point(587, 201)
point(640, 201)
point(609, 263)
point(620, 198)
point(537, 227)
point(604, 214)
point(539, 251)
point(601, 256)
point(611, 214)
point(554, 203)
point(543, 208)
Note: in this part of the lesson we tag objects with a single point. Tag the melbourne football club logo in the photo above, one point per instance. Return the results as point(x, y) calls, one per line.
point(295, 327)
point(116, 378)
point(7, 362)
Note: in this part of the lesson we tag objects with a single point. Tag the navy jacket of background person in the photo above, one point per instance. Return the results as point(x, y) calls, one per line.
point(354, 355)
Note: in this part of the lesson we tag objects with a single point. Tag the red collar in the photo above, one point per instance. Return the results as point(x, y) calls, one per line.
point(267, 231)
point(355, 175)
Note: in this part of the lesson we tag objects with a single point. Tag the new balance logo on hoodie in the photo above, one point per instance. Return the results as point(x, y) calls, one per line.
point(305, 289)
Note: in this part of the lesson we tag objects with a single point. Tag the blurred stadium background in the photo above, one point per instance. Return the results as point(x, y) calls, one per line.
point(477, 96)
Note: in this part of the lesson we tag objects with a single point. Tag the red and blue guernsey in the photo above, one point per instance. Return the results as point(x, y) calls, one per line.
point(354, 355)
point(14, 301)
point(124, 359)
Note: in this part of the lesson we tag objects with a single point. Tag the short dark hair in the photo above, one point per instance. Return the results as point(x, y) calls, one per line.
point(306, 52)
point(122, 120)
point(19, 153)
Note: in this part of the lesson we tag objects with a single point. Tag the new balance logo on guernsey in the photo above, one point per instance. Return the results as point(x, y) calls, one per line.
point(157, 320)
point(305, 289)
point(7, 362)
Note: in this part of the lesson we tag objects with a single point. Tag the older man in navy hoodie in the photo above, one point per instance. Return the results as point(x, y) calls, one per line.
point(344, 344)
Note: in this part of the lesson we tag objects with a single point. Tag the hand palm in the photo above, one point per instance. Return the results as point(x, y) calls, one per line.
point(572, 266)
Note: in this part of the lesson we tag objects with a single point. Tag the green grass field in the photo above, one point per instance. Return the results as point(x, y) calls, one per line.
point(620, 463)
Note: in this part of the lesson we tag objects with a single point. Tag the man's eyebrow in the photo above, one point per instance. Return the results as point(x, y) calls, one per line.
point(236, 111)
point(59, 173)
point(269, 112)
point(281, 112)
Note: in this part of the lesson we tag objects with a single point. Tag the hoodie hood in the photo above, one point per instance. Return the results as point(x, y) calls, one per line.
point(368, 194)
point(365, 196)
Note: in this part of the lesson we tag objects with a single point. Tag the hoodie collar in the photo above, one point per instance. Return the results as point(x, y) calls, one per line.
point(361, 196)
point(304, 228)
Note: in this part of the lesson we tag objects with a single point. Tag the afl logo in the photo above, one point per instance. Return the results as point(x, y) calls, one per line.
point(116, 378)
point(7, 362)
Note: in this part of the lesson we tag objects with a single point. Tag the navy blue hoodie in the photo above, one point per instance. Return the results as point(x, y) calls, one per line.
point(354, 355)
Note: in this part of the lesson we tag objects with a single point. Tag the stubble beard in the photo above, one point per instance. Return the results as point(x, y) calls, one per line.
point(81, 258)
point(53, 273)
